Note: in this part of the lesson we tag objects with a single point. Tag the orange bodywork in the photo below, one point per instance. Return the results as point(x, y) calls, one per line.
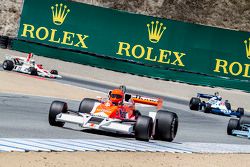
point(116, 111)
point(149, 101)
point(126, 110)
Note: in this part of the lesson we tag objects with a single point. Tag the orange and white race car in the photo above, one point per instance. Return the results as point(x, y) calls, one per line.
point(118, 114)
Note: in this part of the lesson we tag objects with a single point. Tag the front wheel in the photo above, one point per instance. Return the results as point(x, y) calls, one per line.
point(208, 108)
point(143, 128)
point(194, 103)
point(166, 125)
point(233, 124)
point(57, 107)
point(87, 105)
point(33, 71)
point(8, 65)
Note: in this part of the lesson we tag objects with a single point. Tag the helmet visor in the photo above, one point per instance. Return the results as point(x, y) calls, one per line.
point(116, 96)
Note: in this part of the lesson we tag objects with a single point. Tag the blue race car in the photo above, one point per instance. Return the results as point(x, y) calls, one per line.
point(214, 104)
point(239, 127)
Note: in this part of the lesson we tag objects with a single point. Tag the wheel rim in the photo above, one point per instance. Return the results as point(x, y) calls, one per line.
point(4, 65)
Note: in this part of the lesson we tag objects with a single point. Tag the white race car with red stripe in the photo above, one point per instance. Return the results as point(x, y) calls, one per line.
point(28, 66)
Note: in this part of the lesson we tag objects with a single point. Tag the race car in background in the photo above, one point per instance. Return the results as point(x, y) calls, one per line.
point(214, 104)
point(239, 127)
point(28, 66)
point(118, 114)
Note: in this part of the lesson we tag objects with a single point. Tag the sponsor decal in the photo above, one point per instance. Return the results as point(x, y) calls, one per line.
point(60, 13)
point(234, 68)
point(163, 56)
point(247, 45)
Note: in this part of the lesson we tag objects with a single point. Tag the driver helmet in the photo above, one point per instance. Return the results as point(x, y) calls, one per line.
point(219, 97)
point(116, 96)
point(32, 62)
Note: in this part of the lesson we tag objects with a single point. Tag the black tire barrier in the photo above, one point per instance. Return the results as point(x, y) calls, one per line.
point(4, 41)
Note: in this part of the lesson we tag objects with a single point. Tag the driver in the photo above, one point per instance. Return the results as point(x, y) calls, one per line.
point(217, 96)
point(116, 96)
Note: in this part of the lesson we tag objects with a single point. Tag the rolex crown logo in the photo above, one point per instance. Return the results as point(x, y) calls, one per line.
point(59, 13)
point(247, 44)
point(155, 31)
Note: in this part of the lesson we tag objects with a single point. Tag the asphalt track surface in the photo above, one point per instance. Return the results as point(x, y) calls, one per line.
point(27, 117)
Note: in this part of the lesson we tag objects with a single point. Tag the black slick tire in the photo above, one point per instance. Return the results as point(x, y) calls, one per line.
point(143, 128)
point(33, 71)
point(228, 105)
point(57, 107)
point(166, 125)
point(233, 124)
point(244, 120)
point(194, 103)
point(55, 72)
point(87, 105)
point(8, 65)
point(208, 108)
point(240, 111)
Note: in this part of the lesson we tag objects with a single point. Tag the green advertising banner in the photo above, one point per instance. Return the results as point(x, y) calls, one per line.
point(154, 42)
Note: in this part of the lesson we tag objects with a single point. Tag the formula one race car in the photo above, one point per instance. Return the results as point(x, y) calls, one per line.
point(239, 127)
point(214, 104)
point(28, 66)
point(117, 114)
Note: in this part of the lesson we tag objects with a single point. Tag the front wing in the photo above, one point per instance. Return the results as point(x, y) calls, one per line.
point(245, 132)
point(99, 123)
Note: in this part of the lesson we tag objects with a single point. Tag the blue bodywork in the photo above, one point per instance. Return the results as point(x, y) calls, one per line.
point(206, 96)
point(228, 113)
point(217, 106)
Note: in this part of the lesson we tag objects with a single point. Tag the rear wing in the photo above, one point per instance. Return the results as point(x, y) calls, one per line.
point(206, 96)
point(11, 57)
point(145, 100)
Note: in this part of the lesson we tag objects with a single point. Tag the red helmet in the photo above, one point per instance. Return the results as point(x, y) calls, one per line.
point(116, 96)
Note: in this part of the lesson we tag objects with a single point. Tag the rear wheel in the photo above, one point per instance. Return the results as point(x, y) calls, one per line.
point(233, 124)
point(143, 128)
point(55, 72)
point(244, 120)
point(228, 105)
point(208, 108)
point(166, 125)
point(57, 107)
point(240, 111)
point(8, 65)
point(136, 113)
point(194, 103)
point(87, 105)
point(33, 71)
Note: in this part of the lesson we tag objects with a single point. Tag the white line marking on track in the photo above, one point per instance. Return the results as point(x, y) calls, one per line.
point(70, 145)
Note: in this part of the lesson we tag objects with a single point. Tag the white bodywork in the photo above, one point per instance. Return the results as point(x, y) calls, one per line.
point(85, 120)
point(107, 124)
point(218, 104)
point(23, 65)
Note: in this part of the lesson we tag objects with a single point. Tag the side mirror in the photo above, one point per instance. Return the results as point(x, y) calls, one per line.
point(123, 88)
